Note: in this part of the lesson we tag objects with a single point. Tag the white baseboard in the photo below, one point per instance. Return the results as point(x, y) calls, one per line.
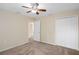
point(12, 46)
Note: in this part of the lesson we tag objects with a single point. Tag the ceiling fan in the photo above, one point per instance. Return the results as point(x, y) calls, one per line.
point(34, 8)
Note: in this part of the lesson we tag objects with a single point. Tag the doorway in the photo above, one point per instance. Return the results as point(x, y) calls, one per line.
point(31, 30)
point(37, 30)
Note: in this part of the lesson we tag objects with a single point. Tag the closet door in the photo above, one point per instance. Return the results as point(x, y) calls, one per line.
point(67, 32)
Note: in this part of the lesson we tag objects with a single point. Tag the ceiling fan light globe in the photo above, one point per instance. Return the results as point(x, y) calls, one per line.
point(34, 11)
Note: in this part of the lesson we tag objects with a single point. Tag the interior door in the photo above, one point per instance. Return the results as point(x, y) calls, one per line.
point(37, 30)
point(31, 29)
point(67, 32)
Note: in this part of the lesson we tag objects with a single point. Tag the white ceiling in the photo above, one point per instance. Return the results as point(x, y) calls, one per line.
point(52, 8)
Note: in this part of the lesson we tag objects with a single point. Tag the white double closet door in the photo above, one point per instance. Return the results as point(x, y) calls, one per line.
point(66, 32)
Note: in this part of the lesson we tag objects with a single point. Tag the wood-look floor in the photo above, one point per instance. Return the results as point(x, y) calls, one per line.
point(39, 48)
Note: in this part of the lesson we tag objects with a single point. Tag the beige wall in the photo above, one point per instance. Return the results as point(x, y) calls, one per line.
point(13, 29)
point(48, 25)
point(47, 29)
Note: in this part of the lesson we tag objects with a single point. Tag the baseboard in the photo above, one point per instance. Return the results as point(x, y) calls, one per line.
point(67, 47)
point(59, 45)
point(12, 47)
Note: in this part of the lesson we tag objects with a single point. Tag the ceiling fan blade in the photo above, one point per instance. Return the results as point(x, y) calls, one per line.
point(37, 13)
point(28, 11)
point(25, 7)
point(44, 10)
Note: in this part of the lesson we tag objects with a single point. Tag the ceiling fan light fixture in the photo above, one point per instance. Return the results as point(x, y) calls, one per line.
point(34, 8)
point(34, 11)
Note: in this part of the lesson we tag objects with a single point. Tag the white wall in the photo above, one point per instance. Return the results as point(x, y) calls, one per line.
point(13, 29)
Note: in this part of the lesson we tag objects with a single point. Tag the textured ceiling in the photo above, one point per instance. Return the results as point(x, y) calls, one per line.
point(52, 8)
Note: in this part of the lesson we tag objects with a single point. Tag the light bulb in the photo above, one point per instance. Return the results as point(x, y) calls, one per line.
point(34, 11)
